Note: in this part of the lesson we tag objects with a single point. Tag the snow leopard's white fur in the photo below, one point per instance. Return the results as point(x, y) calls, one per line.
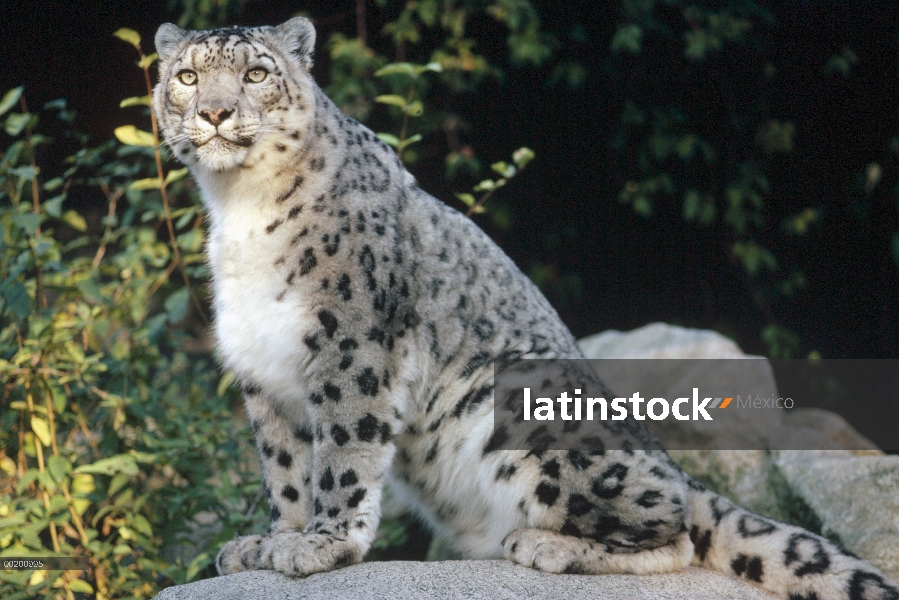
point(362, 317)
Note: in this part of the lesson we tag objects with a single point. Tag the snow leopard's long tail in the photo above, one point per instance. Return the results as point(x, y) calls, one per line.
point(786, 560)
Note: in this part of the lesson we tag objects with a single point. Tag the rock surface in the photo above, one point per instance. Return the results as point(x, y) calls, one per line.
point(855, 498)
point(487, 579)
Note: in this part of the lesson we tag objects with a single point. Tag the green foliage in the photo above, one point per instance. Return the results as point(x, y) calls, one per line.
point(714, 175)
point(423, 75)
point(116, 438)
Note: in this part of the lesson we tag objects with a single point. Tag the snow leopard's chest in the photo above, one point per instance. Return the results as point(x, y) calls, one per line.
point(260, 322)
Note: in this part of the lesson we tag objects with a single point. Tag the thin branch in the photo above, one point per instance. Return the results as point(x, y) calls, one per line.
point(474, 208)
point(36, 204)
point(360, 22)
point(113, 198)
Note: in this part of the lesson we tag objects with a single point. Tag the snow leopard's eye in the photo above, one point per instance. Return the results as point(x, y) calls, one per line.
point(256, 75)
point(187, 77)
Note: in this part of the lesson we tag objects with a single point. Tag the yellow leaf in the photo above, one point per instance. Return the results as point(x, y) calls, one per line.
point(74, 220)
point(224, 383)
point(393, 99)
point(37, 577)
point(151, 183)
point(468, 199)
point(128, 35)
point(41, 430)
point(8, 466)
point(135, 101)
point(80, 585)
point(81, 505)
point(175, 175)
point(148, 60)
point(10, 99)
point(132, 136)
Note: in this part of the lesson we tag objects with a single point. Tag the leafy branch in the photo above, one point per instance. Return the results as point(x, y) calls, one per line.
point(520, 157)
point(131, 135)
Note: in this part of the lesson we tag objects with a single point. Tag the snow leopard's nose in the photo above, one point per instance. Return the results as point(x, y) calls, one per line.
point(216, 117)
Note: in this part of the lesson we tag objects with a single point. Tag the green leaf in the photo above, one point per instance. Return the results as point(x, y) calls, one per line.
point(628, 38)
point(175, 175)
point(523, 156)
point(26, 172)
point(59, 467)
point(117, 483)
point(30, 476)
point(16, 122)
point(74, 220)
point(433, 66)
point(80, 585)
point(136, 101)
point(41, 430)
point(504, 169)
point(190, 240)
point(142, 525)
point(151, 183)
point(392, 99)
point(389, 139)
point(394, 68)
point(485, 186)
point(14, 520)
point(199, 562)
point(10, 98)
point(186, 215)
point(120, 463)
point(176, 305)
point(53, 206)
point(409, 141)
point(128, 35)
point(148, 60)
point(28, 222)
point(53, 184)
point(468, 199)
point(132, 136)
point(414, 108)
point(17, 300)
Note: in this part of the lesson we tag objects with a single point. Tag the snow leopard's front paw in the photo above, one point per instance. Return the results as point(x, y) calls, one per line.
point(539, 549)
point(299, 554)
point(241, 554)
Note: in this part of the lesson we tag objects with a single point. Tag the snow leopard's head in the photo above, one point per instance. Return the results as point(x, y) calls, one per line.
point(228, 94)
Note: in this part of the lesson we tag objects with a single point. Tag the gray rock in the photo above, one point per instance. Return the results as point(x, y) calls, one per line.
point(659, 340)
point(487, 579)
point(855, 498)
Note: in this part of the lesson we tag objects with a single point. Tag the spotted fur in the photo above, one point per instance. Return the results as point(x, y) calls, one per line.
point(363, 317)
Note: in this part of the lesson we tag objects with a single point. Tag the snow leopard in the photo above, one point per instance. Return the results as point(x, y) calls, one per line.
point(362, 318)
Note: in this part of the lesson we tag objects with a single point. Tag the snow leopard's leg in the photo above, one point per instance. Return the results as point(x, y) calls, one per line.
point(555, 552)
point(352, 419)
point(601, 512)
point(285, 451)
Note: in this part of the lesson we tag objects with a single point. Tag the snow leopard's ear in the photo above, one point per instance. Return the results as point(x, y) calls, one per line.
point(168, 38)
point(298, 36)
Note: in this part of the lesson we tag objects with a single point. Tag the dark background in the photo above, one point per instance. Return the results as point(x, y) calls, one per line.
point(631, 270)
